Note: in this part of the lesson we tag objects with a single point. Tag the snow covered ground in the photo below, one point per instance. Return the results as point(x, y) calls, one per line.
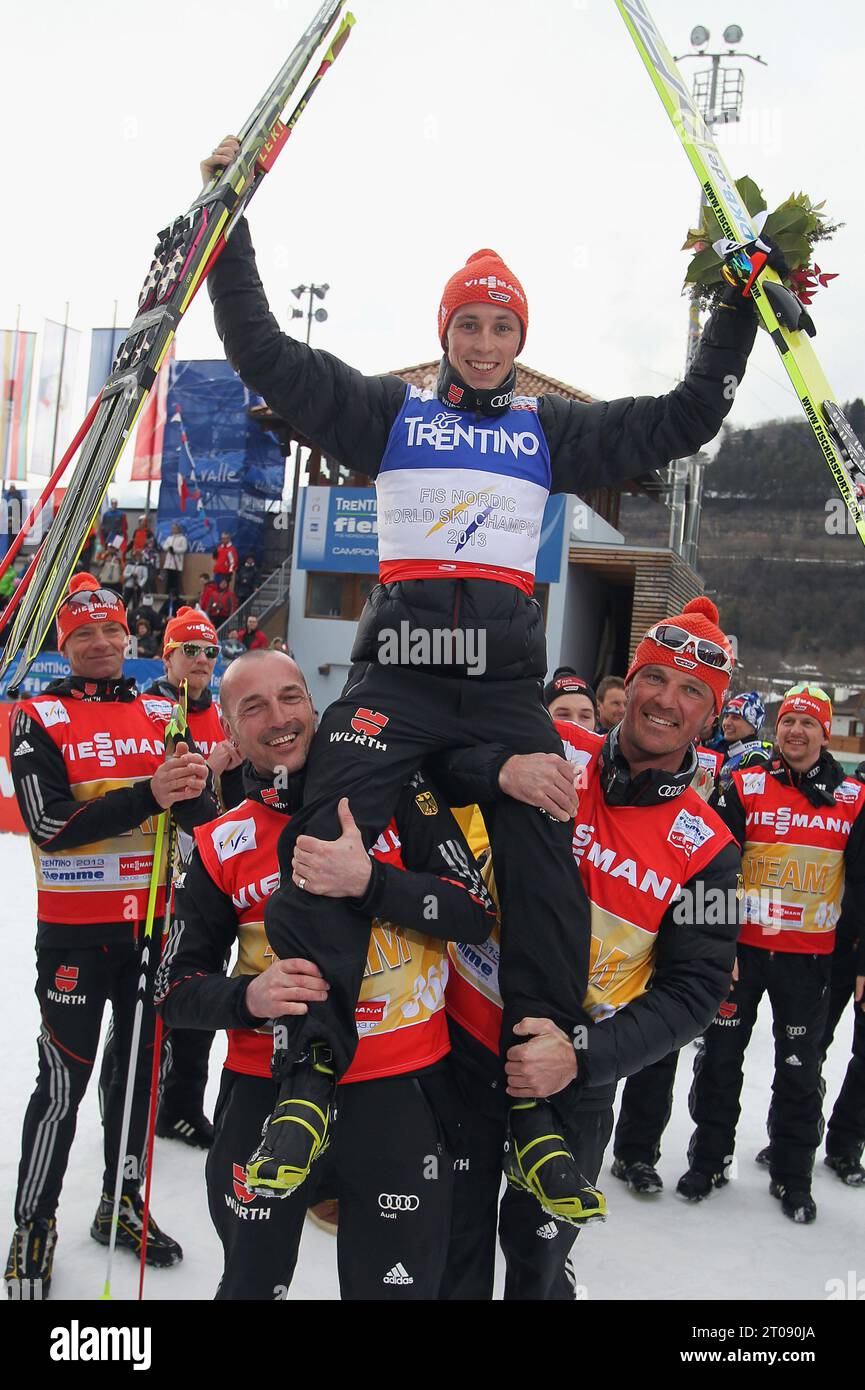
point(737, 1245)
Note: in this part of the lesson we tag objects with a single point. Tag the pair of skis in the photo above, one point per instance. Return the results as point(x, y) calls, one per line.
point(185, 252)
point(789, 325)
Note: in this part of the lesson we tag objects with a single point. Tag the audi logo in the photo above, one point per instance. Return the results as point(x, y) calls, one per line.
point(670, 791)
point(502, 400)
point(391, 1201)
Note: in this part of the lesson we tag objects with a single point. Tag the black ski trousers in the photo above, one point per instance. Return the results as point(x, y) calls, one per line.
point(536, 1247)
point(368, 744)
point(73, 985)
point(647, 1100)
point(845, 1132)
point(182, 1076)
point(387, 1165)
point(186, 1052)
point(798, 989)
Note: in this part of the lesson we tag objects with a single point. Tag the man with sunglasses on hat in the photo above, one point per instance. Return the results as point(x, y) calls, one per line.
point(462, 473)
point(651, 856)
point(91, 777)
point(189, 651)
point(801, 826)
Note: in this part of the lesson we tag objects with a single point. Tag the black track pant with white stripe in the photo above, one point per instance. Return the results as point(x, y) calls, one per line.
point(387, 1165)
point(73, 986)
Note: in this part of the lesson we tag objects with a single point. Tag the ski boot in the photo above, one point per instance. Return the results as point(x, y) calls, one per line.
point(641, 1178)
point(298, 1131)
point(31, 1260)
point(796, 1202)
point(764, 1157)
point(695, 1186)
point(537, 1160)
point(197, 1131)
point(848, 1169)
point(162, 1251)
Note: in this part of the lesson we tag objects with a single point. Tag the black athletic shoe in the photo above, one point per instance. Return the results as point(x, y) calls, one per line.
point(764, 1157)
point(299, 1129)
point(537, 1160)
point(31, 1260)
point(161, 1249)
point(796, 1202)
point(641, 1178)
point(695, 1186)
point(197, 1131)
point(849, 1170)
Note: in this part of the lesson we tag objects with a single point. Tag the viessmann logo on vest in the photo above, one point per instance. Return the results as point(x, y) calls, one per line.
point(107, 750)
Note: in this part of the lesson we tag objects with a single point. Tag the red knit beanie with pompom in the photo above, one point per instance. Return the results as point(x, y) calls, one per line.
point(88, 602)
point(700, 619)
point(484, 279)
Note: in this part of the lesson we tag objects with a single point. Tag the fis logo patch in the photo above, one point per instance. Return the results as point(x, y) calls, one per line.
point(233, 837)
point(689, 832)
point(753, 783)
point(51, 712)
point(368, 721)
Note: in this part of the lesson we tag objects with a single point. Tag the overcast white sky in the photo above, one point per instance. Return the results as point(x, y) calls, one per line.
point(447, 125)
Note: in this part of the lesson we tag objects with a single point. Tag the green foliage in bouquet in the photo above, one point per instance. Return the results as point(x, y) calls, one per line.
point(796, 227)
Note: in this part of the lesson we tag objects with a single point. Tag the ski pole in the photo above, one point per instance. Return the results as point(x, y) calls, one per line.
point(174, 729)
point(134, 1045)
point(178, 720)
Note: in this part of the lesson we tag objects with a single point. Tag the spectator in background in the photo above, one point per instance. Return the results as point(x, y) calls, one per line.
point(742, 718)
point(225, 559)
point(206, 592)
point(611, 703)
point(14, 511)
point(247, 579)
point(278, 645)
point(146, 644)
point(109, 567)
point(253, 638)
point(142, 536)
point(222, 603)
point(150, 558)
point(8, 585)
point(135, 579)
point(175, 547)
point(568, 696)
point(114, 524)
point(233, 646)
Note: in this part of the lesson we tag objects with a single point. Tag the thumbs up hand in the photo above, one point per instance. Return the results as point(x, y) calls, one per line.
point(333, 868)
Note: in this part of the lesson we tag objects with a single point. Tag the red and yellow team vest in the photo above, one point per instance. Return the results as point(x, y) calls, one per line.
point(400, 1014)
point(205, 725)
point(633, 860)
point(105, 745)
point(793, 863)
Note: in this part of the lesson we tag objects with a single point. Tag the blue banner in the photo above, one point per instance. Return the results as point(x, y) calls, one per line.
point(219, 469)
point(104, 343)
point(339, 532)
point(51, 666)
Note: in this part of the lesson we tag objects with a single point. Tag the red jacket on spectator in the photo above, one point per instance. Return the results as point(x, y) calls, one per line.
point(226, 559)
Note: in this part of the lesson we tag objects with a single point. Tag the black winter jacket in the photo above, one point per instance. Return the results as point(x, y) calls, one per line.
point(349, 416)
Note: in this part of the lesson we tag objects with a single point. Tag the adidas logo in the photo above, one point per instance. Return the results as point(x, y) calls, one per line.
point(793, 1061)
point(398, 1275)
point(548, 1232)
point(23, 747)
